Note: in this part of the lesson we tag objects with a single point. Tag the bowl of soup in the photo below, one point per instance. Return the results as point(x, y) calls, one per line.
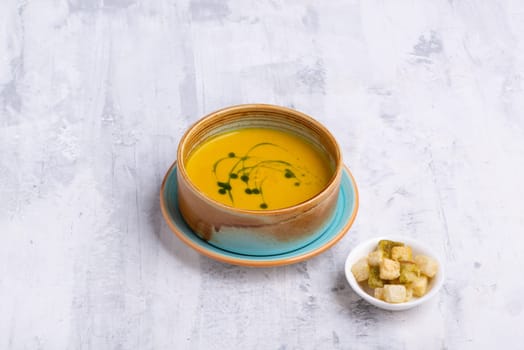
point(258, 179)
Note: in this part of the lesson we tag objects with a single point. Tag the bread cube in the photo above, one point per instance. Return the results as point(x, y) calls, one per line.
point(379, 293)
point(409, 293)
point(374, 280)
point(409, 271)
point(428, 266)
point(386, 246)
point(360, 270)
point(394, 293)
point(401, 253)
point(419, 286)
point(374, 258)
point(389, 269)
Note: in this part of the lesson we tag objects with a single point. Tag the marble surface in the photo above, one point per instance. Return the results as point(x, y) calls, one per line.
point(425, 97)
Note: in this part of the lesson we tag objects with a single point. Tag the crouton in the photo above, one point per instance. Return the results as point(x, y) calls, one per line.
point(394, 293)
point(374, 280)
point(419, 286)
point(389, 269)
point(401, 253)
point(379, 293)
point(409, 293)
point(428, 266)
point(386, 245)
point(375, 257)
point(409, 271)
point(360, 270)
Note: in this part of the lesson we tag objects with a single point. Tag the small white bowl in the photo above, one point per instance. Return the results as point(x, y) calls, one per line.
point(363, 249)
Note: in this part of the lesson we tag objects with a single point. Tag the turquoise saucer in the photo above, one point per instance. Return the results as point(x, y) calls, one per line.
point(346, 211)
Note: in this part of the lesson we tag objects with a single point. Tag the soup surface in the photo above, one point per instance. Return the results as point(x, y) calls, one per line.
point(258, 169)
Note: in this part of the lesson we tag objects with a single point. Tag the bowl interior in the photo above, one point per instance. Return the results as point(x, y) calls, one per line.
point(368, 246)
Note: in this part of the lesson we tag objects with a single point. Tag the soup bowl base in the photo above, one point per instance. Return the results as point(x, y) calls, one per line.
point(343, 218)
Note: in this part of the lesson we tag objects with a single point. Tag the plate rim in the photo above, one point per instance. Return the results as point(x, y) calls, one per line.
point(256, 263)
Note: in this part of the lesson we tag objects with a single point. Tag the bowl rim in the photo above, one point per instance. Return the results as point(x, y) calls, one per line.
point(308, 203)
point(417, 245)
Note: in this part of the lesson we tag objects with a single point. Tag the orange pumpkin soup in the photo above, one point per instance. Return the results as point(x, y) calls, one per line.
point(258, 169)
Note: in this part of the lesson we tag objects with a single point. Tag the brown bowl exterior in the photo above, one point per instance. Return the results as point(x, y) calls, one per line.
point(257, 232)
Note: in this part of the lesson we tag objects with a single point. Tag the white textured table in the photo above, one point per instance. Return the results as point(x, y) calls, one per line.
point(425, 97)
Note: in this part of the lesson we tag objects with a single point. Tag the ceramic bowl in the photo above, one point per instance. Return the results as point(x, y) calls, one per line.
point(257, 232)
point(363, 249)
